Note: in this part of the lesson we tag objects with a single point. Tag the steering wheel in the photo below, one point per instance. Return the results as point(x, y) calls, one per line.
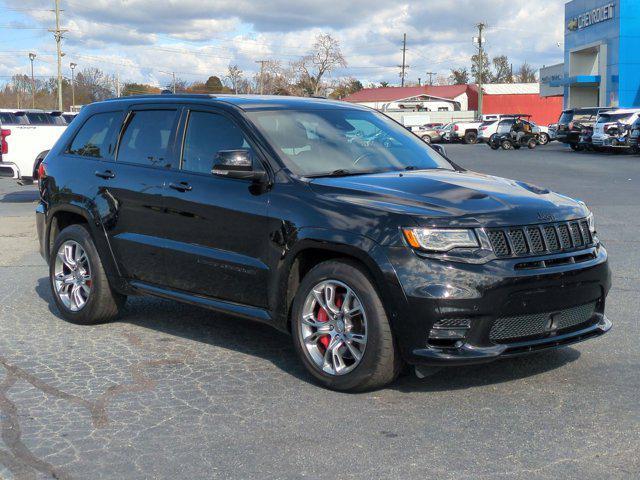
point(364, 155)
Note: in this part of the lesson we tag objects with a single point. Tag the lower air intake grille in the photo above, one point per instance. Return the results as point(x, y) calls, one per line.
point(506, 329)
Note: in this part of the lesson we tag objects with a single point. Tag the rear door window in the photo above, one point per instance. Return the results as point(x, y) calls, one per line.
point(96, 138)
point(147, 138)
point(38, 118)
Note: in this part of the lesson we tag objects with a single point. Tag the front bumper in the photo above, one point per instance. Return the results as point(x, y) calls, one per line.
point(481, 294)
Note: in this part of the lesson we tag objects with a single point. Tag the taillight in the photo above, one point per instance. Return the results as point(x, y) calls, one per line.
point(4, 133)
point(41, 171)
point(456, 128)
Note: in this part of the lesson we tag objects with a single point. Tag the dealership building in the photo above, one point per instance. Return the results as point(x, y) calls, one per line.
point(601, 55)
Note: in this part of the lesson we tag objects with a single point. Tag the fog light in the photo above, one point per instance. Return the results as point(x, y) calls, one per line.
point(449, 332)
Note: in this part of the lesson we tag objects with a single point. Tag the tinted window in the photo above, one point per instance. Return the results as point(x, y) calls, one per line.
point(37, 118)
point(57, 119)
point(69, 118)
point(94, 139)
point(14, 118)
point(318, 142)
point(566, 117)
point(146, 139)
point(207, 134)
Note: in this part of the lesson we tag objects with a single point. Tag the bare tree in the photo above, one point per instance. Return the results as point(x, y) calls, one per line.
point(273, 79)
point(234, 77)
point(502, 70)
point(324, 59)
point(526, 74)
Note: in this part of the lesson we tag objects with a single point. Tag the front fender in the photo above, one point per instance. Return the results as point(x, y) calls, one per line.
point(340, 244)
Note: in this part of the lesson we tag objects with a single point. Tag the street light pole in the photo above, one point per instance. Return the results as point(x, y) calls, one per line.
point(73, 86)
point(32, 57)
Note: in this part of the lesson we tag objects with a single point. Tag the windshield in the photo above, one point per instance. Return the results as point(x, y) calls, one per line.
point(614, 117)
point(322, 142)
point(566, 117)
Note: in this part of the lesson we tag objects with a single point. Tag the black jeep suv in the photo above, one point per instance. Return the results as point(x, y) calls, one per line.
point(324, 219)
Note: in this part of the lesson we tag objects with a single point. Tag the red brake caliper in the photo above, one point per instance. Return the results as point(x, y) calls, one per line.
point(324, 317)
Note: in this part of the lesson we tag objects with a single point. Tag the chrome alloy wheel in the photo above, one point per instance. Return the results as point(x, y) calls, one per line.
point(72, 276)
point(334, 327)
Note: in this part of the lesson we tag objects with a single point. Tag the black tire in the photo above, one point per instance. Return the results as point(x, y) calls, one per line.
point(103, 303)
point(506, 145)
point(426, 138)
point(575, 147)
point(470, 138)
point(543, 139)
point(531, 144)
point(380, 363)
point(494, 145)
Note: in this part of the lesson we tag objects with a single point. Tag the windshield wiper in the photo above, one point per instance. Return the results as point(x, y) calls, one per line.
point(341, 172)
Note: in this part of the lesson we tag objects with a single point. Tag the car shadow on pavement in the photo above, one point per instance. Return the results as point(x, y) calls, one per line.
point(27, 196)
point(192, 323)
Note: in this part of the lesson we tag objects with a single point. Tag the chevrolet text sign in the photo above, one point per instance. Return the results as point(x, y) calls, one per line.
point(586, 19)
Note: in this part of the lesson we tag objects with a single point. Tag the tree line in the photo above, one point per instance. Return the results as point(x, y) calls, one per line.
point(308, 75)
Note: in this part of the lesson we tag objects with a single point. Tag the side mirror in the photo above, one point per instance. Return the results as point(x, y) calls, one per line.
point(236, 164)
point(440, 149)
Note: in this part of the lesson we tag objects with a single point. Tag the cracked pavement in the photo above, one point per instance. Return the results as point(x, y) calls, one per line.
point(173, 391)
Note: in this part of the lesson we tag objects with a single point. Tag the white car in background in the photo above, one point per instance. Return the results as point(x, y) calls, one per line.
point(612, 128)
point(25, 138)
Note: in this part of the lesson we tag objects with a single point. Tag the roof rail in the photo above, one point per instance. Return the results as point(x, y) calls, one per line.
point(164, 95)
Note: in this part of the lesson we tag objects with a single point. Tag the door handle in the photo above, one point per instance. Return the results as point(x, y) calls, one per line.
point(105, 174)
point(181, 187)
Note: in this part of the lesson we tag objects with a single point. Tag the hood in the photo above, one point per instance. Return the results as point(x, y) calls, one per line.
point(443, 197)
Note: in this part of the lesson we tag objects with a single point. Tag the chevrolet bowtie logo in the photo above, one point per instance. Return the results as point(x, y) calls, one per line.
point(573, 24)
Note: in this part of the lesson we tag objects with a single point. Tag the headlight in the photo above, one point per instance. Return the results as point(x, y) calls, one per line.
point(592, 223)
point(440, 239)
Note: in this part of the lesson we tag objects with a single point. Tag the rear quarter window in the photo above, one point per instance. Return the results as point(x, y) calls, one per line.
point(36, 118)
point(96, 137)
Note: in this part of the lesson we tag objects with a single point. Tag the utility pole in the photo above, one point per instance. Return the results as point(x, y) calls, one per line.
point(57, 34)
point(173, 75)
point(261, 77)
point(481, 26)
point(32, 57)
point(431, 74)
point(118, 84)
point(419, 82)
point(404, 56)
point(73, 66)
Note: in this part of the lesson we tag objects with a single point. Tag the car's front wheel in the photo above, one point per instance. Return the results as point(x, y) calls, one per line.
point(78, 281)
point(426, 139)
point(341, 331)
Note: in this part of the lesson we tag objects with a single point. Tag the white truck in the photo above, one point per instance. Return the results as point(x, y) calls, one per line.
point(26, 136)
point(465, 131)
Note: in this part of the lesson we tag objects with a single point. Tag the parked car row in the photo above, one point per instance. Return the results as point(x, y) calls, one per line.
point(600, 129)
point(25, 138)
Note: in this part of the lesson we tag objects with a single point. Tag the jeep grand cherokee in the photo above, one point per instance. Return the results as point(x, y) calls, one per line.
point(323, 219)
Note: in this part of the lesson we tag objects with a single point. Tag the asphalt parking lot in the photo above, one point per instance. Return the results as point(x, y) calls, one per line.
point(173, 391)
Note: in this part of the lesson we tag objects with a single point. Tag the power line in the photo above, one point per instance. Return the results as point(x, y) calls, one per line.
point(431, 74)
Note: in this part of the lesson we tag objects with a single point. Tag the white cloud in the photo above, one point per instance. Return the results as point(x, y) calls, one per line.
point(195, 38)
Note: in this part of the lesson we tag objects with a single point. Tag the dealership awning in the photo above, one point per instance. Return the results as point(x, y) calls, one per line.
point(578, 80)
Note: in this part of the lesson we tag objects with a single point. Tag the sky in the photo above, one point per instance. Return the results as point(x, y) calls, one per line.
point(146, 40)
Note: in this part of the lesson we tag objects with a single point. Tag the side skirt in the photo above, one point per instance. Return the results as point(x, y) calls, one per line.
point(235, 309)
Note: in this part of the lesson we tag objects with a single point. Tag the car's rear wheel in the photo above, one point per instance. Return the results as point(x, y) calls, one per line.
point(341, 331)
point(78, 281)
point(426, 138)
point(470, 138)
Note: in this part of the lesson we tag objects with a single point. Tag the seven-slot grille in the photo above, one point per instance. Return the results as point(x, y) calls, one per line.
point(540, 239)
